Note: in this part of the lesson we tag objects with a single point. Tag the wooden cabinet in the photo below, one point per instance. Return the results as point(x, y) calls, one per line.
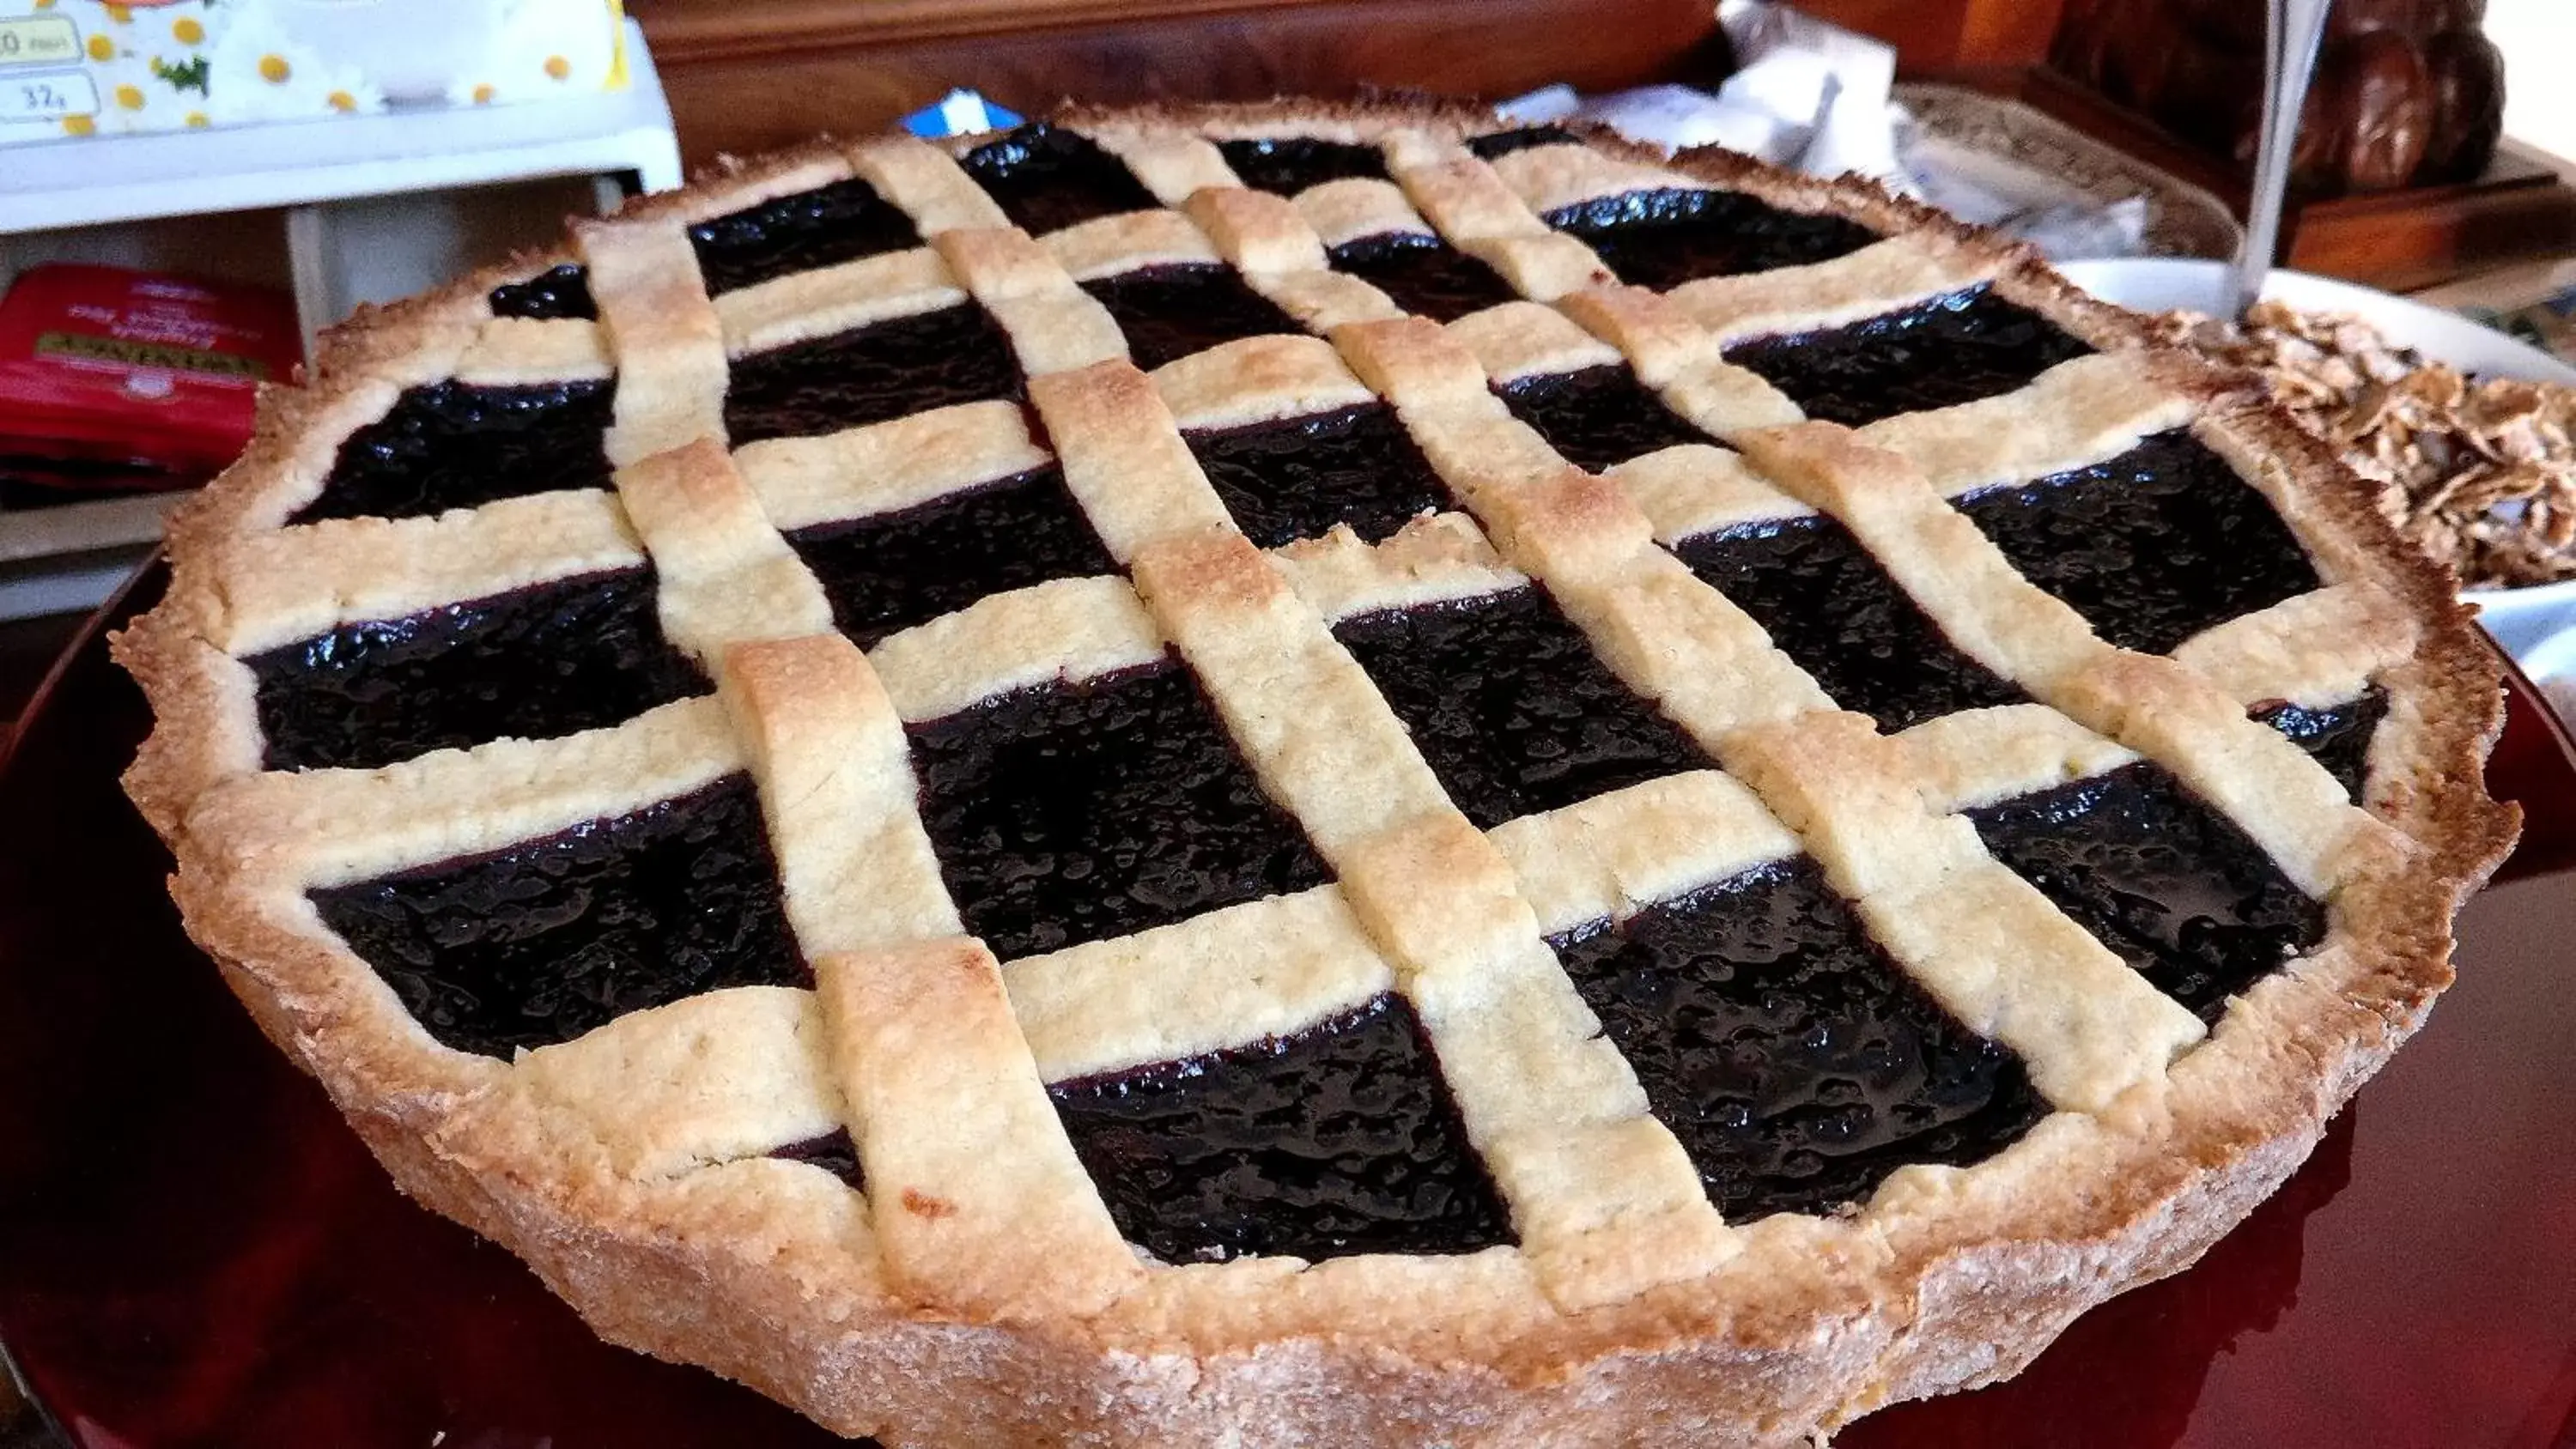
point(744, 75)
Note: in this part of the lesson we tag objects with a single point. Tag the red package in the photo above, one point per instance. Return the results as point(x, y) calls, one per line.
point(118, 378)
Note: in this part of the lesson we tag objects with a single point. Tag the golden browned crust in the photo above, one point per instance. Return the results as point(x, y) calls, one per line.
point(772, 1273)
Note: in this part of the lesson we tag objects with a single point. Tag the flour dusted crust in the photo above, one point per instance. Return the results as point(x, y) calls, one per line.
point(977, 1292)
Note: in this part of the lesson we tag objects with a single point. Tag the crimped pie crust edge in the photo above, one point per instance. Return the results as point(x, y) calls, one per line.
point(1948, 1278)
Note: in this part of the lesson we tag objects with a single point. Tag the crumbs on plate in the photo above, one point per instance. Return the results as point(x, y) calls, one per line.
point(2480, 474)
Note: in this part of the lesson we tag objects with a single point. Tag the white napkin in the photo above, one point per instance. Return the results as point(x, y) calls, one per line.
point(1806, 94)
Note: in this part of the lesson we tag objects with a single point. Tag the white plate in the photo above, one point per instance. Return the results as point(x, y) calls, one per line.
point(2162, 284)
point(2524, 621)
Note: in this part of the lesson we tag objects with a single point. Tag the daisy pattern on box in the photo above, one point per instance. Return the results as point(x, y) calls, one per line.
point(261, 69)
point(544, 48)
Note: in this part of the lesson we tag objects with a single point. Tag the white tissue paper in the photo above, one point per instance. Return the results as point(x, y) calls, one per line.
point(1817, 98)
point(1806, 94)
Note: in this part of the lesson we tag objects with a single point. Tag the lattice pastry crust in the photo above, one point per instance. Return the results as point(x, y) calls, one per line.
point(978, 1288)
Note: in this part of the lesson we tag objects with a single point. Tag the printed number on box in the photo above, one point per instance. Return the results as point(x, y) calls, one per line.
point(38, 40)
point(44, 97)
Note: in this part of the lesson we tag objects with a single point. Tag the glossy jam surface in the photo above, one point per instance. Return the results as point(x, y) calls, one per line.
point(2337, 735)
point(455, 445)
point(1598, 417)
point(1047, 179)
point(1509, 705)
point(1297, 477)
point(201, 1251)
point(1291, 165)
point(557, 292)
point(888, 369)
point(1341, 1139)
point(547, 939)
point(833, 1152)
point(840, 222)
point(1795, 1062)
point(1829, 606)
point(1067, 813)
point(538, 662)
point(1661, 239)
point(1170, 312)
point(1423, 274)
point(2162, 879)
point(1503, 143)
point(2152, 547)
point(1960, 348)
point(895, 570)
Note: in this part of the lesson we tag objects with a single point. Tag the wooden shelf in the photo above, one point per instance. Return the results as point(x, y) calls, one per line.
point(747, 75)
point(2396, 240)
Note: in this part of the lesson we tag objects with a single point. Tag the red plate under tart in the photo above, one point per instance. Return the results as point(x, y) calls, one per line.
point(200, 1253)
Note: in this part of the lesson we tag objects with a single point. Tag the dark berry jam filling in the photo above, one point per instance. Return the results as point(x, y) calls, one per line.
point(1796, 1063)
point(837, 223)
point(888, 369)
point(1172, 311)
point(1598, 417)
point(545, 940)
point(2338, 735)
point(1339, 1140)
point(1509, 706)
point(1423, 274)
point(554, 294)
point(1297, 477)
point(554, 659)
point(2163, 880)
point(1075, 812)
point(2151, 547)
point(1503, 143)
point(895, 570)
point(454, 445)
point(1290, 166)
point(1955, 349)
point(1829, 606)
point(833, 1152)
point(1661, 239)
point(1047, 179)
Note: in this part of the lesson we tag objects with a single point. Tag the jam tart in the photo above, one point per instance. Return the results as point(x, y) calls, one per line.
point(1312, 774)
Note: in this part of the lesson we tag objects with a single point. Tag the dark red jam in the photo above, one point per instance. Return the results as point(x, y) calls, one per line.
point(1796, 1063)
point(1661, 239)
point(837, 223)
point(1956, 349)
point(2151, 547)
point(455, 445)
point(1509, 705)
point(1297, 477)
point(556, 293)
point(2338, 735)
point(871, 374)
point(554, 659)
point(1290, 166)
point(2166, 882)
point(1503, 143)
point(1598, 417)
point(1047, 179)
point(895, 570)
point(1423, 274)
point(545, 940)
point(1169, 312)
point(1829, 606)
point(1067, 813)
point(833, 1152)
point(1339, 1140)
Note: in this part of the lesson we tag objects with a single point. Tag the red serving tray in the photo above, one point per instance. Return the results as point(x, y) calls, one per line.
point(194, 1251)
